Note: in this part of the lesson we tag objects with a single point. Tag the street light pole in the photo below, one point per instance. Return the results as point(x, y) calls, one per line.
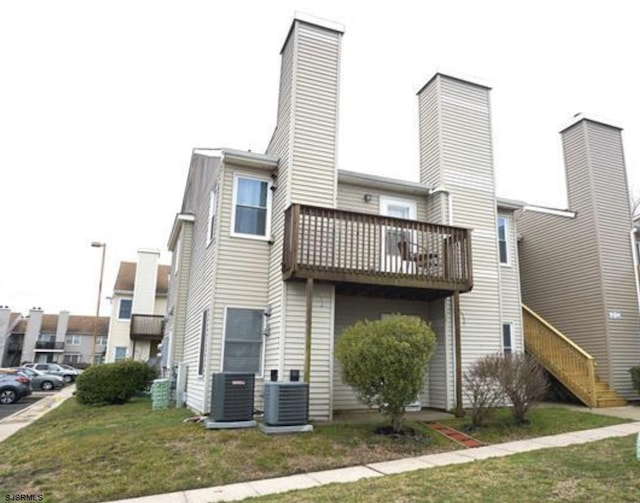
point(96, 244)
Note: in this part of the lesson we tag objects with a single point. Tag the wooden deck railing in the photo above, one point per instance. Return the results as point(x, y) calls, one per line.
point(571, 365)
point(344, 246)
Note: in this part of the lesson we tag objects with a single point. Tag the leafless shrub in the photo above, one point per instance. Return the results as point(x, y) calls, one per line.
point(523, 381)
point(482, 388)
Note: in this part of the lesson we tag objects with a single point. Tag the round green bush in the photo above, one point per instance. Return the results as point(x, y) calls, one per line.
point(113, 383)
point(385, 361)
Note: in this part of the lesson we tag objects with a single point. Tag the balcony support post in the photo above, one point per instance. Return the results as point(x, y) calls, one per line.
point(307, 329)
point(458, 353)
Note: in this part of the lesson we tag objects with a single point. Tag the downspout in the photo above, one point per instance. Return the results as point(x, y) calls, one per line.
point(456, 363)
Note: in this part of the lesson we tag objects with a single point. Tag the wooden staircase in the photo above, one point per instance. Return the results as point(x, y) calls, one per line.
point(567, 362)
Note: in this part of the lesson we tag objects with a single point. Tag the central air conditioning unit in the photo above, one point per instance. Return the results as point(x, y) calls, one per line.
point(232, 397)
point(286, 403)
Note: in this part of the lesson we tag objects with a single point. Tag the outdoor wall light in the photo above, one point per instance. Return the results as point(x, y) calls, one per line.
point(367, 198)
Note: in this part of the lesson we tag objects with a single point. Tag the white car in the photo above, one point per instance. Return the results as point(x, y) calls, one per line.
point(53, 368)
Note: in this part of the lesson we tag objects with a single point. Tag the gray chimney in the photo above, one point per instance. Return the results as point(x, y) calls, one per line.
point(61, 329)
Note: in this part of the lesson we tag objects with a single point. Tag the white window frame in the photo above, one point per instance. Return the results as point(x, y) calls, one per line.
point(213, 209)
point(202, 345)
point(506, 240)
point(510, 348)
point(115, 353)
point(68, 359)
point(119, 308)
point(224, 337)
point(102, 338)
point(75, 340)
point(269, 182)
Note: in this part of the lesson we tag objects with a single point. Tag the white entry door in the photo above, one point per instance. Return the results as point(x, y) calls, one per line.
point(393, 235)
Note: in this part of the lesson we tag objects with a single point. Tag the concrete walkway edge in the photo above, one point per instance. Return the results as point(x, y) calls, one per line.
point(239, 491)
point(15, 422)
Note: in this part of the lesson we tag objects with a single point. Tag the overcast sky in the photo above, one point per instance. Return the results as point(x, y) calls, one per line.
point(101, 104)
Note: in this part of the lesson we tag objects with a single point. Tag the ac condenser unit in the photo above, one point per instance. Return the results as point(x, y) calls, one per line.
point(232, 397)
point(286, 403)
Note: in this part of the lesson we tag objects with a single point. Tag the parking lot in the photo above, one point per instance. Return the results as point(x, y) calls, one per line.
point(23, 403)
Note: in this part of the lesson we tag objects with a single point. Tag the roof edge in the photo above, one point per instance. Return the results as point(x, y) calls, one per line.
point(367, 180)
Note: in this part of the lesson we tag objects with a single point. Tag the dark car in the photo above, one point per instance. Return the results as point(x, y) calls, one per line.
point(55, 369)
point(40, 380)
point(13, 386)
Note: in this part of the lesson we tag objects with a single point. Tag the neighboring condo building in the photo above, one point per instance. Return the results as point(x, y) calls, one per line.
point(139, 303)
point(54, 338)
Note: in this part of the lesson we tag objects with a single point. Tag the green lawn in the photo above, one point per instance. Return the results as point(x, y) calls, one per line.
point(79, 453)
point(604, 471)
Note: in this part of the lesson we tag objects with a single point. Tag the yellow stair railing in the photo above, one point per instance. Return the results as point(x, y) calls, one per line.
point(570, 364)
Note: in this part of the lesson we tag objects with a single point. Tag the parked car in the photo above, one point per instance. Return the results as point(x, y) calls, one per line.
point(13, 386)
point(69, 367)
point(55, 369)
point(40, 380)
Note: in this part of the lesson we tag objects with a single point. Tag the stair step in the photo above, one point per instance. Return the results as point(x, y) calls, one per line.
point(611, 402)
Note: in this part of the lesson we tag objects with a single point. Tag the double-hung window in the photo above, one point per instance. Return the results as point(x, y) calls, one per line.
point(503, 235)
point(251, 207)
point(73, 340)
point(213, 205)
point(243, 340)
point(204, 328)
point(507, 338)
point(124, 309)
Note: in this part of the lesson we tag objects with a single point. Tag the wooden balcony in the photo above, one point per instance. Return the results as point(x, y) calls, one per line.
point(374, 253)
point(146, 327)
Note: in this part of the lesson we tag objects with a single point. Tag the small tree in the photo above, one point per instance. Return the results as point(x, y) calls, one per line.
point(385, 362)
point(523, 381)
point(482, 388)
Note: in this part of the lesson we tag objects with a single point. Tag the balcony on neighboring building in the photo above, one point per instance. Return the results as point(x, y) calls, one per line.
point(375, 254)
point(147, 327)
point(49, 346)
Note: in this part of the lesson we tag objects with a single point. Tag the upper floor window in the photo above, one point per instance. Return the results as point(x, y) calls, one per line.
point(251, 206)
point(213, 204)
point(72, 340)
point(124, 309)
point(503, 236)
point(176, 257)
point(102, 340)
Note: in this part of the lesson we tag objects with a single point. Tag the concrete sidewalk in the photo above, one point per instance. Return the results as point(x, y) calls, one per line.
point(9, 425)
point(234, 492)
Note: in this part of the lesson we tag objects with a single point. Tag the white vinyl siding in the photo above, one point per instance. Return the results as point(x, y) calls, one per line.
point(510, 299)
point(456, 153)
point(251, 207)
point(243, 335)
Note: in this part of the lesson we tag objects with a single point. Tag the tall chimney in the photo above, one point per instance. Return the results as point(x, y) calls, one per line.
point(32, 331)
point(61, 329)
point(144, 288)
point(456, 157)
point(599, 194)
